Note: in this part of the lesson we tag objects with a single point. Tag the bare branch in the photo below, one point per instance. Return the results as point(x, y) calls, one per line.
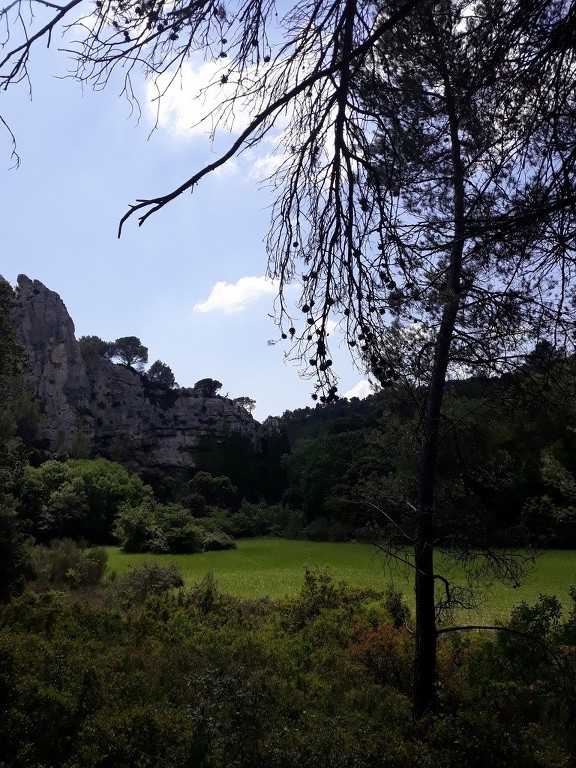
point(272, 109)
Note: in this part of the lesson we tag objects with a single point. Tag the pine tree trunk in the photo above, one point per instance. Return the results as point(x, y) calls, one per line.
point(425, 654)
point(426, 633)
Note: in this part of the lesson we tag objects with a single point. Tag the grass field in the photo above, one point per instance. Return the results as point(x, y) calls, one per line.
point(274, 568)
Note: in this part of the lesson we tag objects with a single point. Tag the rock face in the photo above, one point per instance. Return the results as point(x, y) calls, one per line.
point(109, 408)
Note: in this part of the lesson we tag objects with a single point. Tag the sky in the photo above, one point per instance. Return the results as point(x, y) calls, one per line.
point(191, 282)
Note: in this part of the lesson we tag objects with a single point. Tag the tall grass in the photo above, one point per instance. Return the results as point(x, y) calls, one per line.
point(274, 568)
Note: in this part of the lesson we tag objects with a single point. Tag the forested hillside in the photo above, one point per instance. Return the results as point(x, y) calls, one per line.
point(339, 471)
point(506, 460)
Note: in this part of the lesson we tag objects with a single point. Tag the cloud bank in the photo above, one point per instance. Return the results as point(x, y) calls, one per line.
point(231, 298)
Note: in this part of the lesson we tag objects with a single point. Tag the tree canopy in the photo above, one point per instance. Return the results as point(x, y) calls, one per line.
point(130, 351)
point(245, 402)
point(15, 565)
point(93, 347)
point(207, 387)
point(160, 373)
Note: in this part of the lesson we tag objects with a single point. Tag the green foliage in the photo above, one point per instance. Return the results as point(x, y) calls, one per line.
point(397, 607)
point(165, 528)
point(324, 529)
point(160, 373)
point(551, 517)
point(177, 532)
point(245, 402)
point(78, 498)
point(15, 565)
point(263, 519)
point(134, 527)
point(232, 455)
point(65, 564)
point(322, 680)
point(216, 541)
point(319, 470)
point(207, 387)
point(217, 491)
point(93, 347)
point(129, 350)
point(11, 351)
point(65, 511)
point(160, 528)
point(506, 458)
point(135, 586)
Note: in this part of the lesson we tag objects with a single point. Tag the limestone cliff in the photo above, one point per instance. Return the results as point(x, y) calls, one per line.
point(111, 408)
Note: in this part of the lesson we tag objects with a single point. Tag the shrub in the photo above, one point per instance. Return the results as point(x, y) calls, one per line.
point(66, 564)
point(217, 540)
point(181, 534)
point(77, 498)
point(137, 584)
point(93, 566)
point(397, 607)
point(159, 528)
point(134, 527)
point(251, 520)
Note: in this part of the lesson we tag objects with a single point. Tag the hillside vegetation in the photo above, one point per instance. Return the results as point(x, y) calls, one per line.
point(139, 667)
point(321, 679)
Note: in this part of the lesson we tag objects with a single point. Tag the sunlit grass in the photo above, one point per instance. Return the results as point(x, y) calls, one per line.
point(275, 567)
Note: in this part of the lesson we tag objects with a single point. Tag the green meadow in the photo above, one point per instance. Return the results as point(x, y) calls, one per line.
point(275, 567)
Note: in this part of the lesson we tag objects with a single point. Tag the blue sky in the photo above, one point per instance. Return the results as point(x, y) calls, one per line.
point(190, 282)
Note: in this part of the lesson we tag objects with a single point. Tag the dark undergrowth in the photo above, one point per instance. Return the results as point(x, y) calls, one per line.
point(175, 679)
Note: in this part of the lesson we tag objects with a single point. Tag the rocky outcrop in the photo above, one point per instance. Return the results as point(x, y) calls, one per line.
point(109, 408)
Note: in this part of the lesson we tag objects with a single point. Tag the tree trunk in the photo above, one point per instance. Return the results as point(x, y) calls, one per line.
point(425, 654)
point(426, 633)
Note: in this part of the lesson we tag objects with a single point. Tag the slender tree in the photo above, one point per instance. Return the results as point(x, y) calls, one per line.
point(425, 179)
point(469, 148)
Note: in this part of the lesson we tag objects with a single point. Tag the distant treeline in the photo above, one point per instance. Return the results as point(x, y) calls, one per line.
point(333, 472)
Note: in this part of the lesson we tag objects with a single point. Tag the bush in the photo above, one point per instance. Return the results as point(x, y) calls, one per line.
point(66, 564)
point(159, 528)
point(397, 607)
point(177, 526)
point(215, 541)
point(139, 583)
point(200, 678)
point(134, 527)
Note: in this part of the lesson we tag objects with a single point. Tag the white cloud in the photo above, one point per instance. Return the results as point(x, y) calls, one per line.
point(194, 102)
point(264, 167)
point(361, 390)
point(183, 103)
point(230, 298)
